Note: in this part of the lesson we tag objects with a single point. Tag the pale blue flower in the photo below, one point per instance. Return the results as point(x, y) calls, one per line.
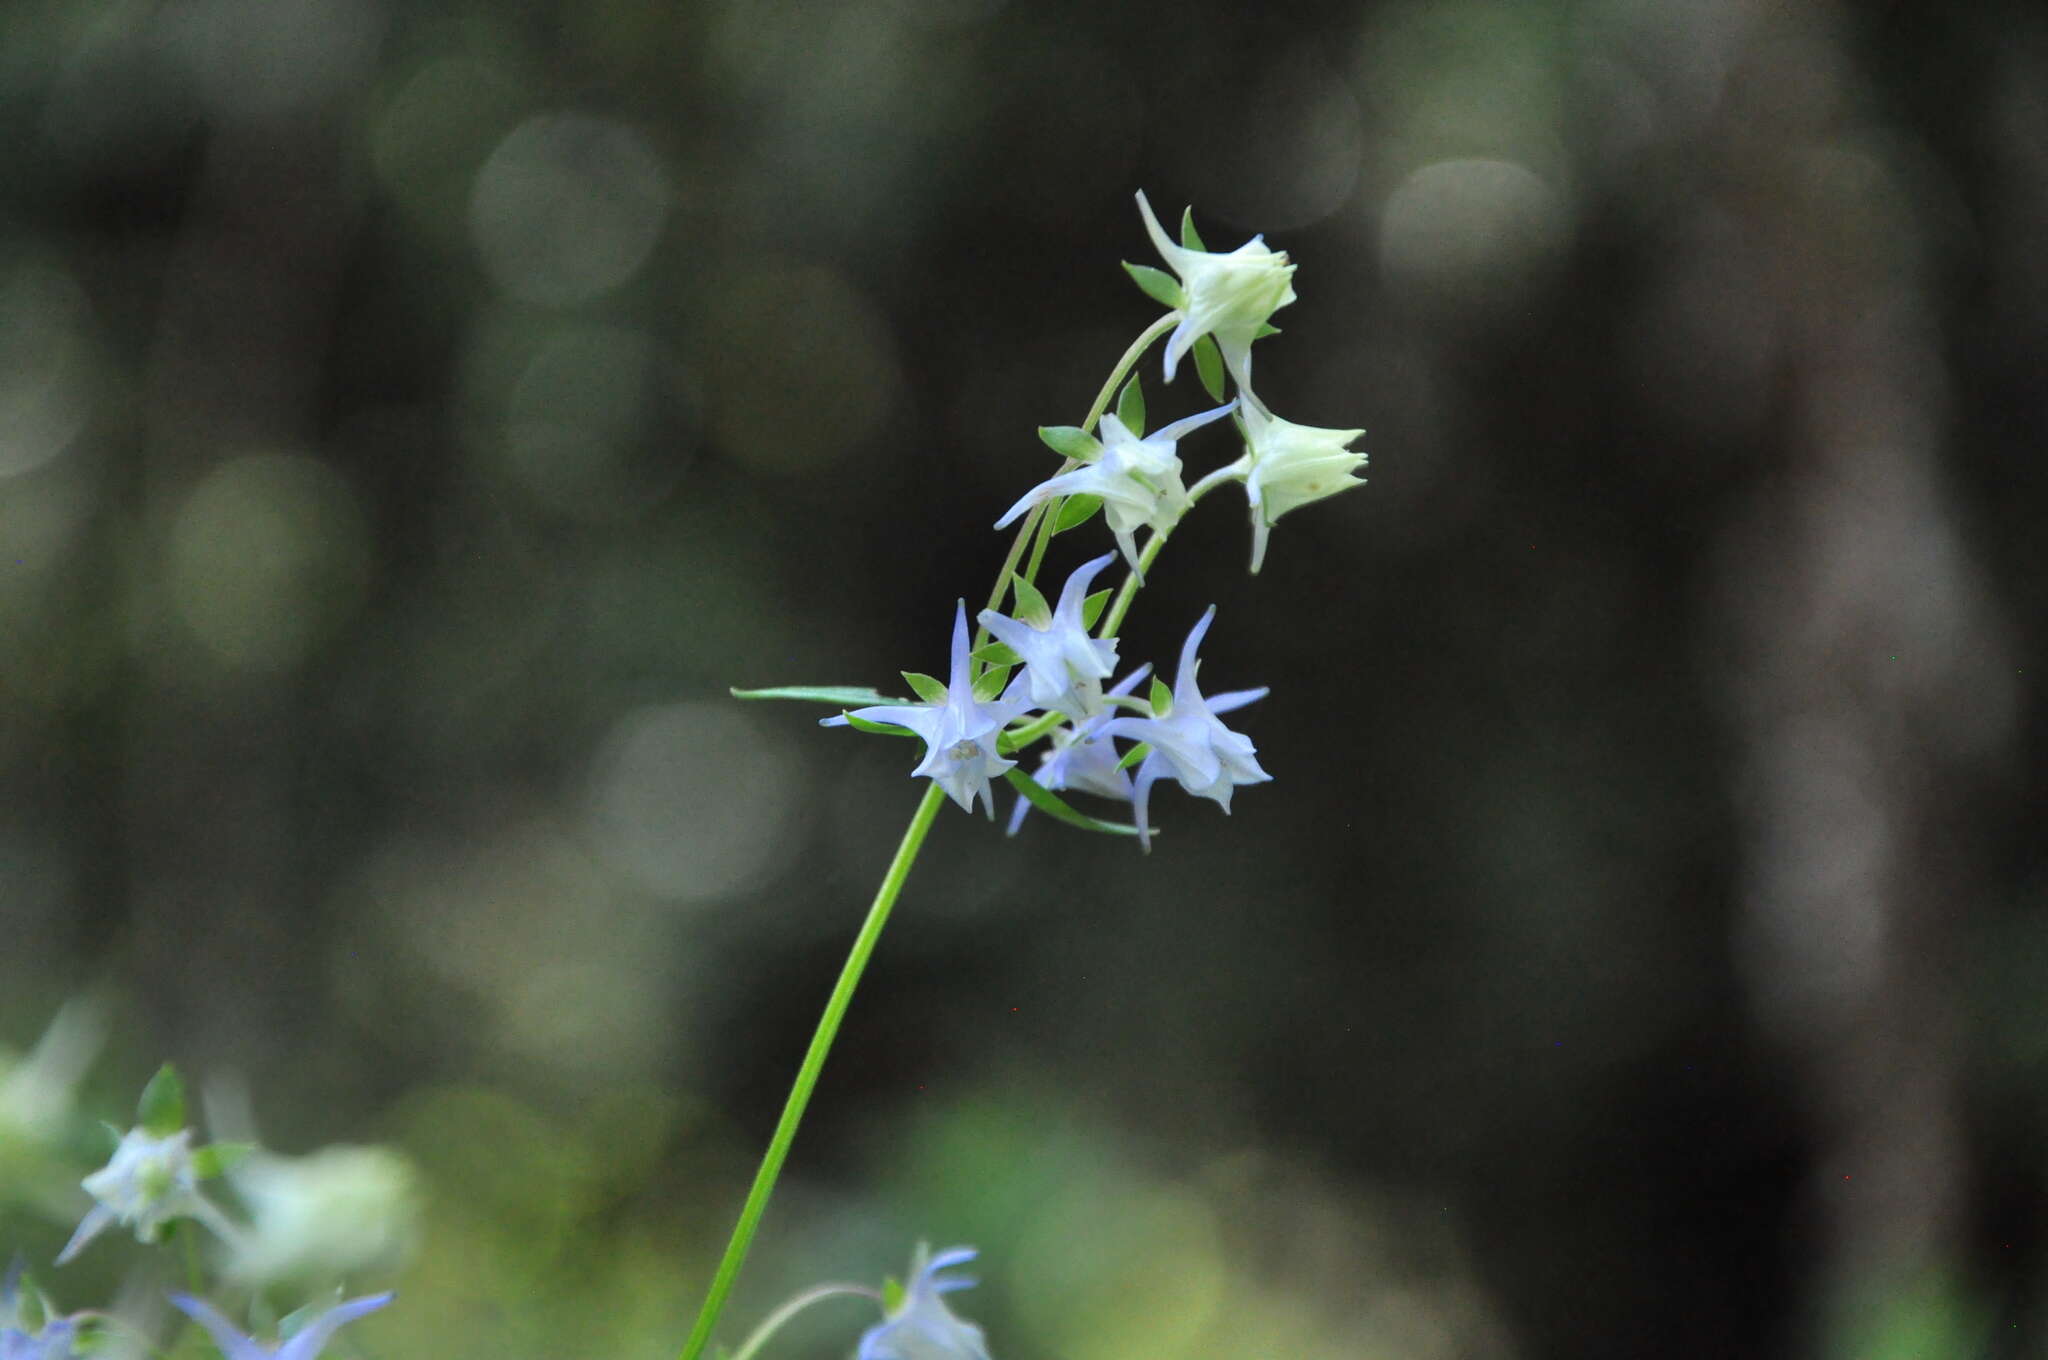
point(149, 1181)
point(959, 734)
point(1189, 743)
point(1082, 758)
point(1229, 296)
point(1137, 479)
point(304, 1344)
point(921, 1327)
point(53, 1342)
point(1063, 667)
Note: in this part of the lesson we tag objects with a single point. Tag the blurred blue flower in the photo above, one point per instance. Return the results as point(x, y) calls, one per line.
point(921, 1327)
point(1188, 742)
point(959, 734)
point(53, 1342)
point(304, 1344)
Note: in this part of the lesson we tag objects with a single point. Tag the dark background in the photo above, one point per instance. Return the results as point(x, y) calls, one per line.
point(414, 417)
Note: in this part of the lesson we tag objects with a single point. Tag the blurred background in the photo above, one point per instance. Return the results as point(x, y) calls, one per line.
point(414, 416)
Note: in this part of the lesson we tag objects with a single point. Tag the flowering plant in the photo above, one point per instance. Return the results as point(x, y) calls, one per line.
point(1036, 672)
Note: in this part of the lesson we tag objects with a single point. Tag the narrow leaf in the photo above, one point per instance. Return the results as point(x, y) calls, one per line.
point(1188, 237)
point(925, 687)
point(995, 654)
point(1134, 755)
point(1092, 607)
point(844, 696)
point(1071, 441)
point(1130, 407)
point(1209, 366)
point(892, 1295)
point(1076, 511)
point(217, 1159)
point(988, 687)
point(1162, 287)
point(1162, 698)
point(1031, 606)
point(1050, 803)
point(879, 729)
point(161, 1111)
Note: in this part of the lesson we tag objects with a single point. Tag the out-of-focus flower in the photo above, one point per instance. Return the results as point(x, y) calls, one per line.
point(304, 1344)
point(1229, 296)
point(1190, 742)
point(921, 1327)
point(1081, 758)
point(1289, 465)
point(959, 732)
point(1137, 479)
point(149, 1181)
point(27, 1332)
point(331, 1213)
point(1063, 667)
point(37, 1093)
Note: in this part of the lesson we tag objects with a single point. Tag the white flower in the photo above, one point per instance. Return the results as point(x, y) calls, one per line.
point(1289, 465)
point(331, 1213)
point(1228, 296)
point(304, 1344)
point(149, 1181)
point(959, 734)
point(1137, 479)
point(921, 1327)
point(1190, 743)
point(1063, 667)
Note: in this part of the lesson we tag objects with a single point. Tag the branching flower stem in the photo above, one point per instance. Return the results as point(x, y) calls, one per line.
point(1039, 522)
point(773, 1323)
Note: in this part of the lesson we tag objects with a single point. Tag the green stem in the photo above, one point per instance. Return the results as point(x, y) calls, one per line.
point(807, 1075)
point(1113, 617)
point(1043, 514)
point(773, 1322)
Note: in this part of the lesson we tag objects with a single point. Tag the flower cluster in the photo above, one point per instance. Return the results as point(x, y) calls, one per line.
point(1043, 674)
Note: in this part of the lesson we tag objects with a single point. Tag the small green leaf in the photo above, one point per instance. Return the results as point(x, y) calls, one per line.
point(844, 696)
point(1050, 803)
point(1076, 511)
point(1130, 407)
point(1209, 366)
point(1265, 329)
point(1091, 608)
point(161, 1111)
point(892, 1295)
point(925, 687)
point(1188, 237)
point(879, 729)
point(1162, 287)
point(995, 654)
point(989, 686)
point(216, 1159)
point(1162, 698)
point(1134, 755)
point(1071, 441)
point(1031, 606)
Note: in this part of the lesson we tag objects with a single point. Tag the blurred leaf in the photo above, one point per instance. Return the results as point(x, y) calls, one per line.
point(1134, 755)
point(1188, 236)
point(216, 1159)
point(926, 687)
point(1130, 407)
point(989, 684)
point(995, 654)
point(879, 729)
point(1209, 366)
point(1050, 803)
point(1070, 441)
point(161, 1111)
point(844, 696)
point(1091, 608)
point(1162, 287)
point(1076, 511)
point(1161, 697)
point(1031, 605)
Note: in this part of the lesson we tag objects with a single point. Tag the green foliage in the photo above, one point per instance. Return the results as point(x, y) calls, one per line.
point(161, 1110)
